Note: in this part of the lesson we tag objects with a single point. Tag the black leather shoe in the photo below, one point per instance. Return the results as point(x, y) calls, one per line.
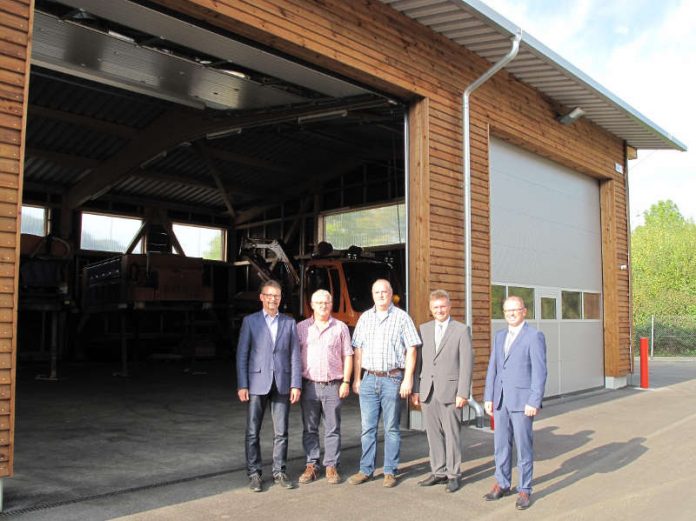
point(496, 493)
point(432, 480)
point(283, 480)
point(255, 483)
point(452, 485)
point(523, 501)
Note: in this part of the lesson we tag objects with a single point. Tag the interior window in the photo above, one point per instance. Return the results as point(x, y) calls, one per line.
point(102, 232)
point(34, 220)
point(201, 241)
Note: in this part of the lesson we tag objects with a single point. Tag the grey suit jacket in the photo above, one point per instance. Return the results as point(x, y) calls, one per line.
point(520, 378)
point(447, 371)
point(260, 361)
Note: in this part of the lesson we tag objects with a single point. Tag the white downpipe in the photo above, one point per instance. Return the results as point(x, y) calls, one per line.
point(467, 167)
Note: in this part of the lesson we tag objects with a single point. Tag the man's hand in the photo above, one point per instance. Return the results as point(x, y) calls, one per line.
point(460, 402)
point(344, 390)
point(295, 395)
point(530, 411)
point(488, 407)
point(243, 395)
point(415, 399)
point(406, 386)
point(356, 385)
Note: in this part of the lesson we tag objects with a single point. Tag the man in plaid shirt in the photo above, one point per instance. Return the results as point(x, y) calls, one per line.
point(385, 341)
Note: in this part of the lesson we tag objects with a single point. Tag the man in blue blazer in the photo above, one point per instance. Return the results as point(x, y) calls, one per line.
point(269, 370)
point(514, 388)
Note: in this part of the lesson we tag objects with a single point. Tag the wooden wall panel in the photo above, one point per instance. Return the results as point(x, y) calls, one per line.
point(15, 37)
point(375, 45)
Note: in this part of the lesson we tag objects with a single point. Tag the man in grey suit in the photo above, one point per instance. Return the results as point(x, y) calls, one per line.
point(514, 388)
point(269, 370)
point(441, 388)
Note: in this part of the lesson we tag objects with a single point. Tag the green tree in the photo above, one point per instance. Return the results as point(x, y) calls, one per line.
point(664, 264)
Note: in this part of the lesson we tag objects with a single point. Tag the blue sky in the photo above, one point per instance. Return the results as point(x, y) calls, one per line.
point(644, 52)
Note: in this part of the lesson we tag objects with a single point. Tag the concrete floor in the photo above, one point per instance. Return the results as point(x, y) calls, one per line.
point(166, 444)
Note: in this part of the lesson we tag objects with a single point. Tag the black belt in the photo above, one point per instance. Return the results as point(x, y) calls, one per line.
point(391, 372)
point(330, 382)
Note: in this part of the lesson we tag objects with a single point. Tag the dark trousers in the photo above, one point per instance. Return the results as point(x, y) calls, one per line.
point(280, 410)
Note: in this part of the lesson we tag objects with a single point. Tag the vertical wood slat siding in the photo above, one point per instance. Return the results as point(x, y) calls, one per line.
point(15, 43)
point(367, 41)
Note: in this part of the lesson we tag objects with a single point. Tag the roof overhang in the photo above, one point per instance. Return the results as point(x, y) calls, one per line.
point(480, 29)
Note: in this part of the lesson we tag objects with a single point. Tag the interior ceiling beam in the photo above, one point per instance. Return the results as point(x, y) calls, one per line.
point(182, 180)
point(106, 127)
point(177, 126)
point(215, 174)
point(241, 159)
point(61, 159)
point(314, 184)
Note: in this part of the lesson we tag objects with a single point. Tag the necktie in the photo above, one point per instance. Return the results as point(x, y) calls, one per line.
point(508, 342)
point(438, 336)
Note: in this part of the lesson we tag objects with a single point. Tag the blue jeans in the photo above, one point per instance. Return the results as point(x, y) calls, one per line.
point(379, 395)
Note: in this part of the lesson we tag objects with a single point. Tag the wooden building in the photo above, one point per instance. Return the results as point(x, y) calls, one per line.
point(182, 110)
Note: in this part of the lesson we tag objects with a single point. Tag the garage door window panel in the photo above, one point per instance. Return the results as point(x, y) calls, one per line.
point(526, 294)
point(571, 305)
point(591, 306)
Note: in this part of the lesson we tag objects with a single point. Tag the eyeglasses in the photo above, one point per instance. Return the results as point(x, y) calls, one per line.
point(322, 303)
point(270, 296)
point(512, 311)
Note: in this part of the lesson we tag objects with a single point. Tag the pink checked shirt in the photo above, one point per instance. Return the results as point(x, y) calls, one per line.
point(323, 351)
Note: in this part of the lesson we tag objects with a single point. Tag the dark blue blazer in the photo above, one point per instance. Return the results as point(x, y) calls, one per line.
point(520, 377)
point(260, 362)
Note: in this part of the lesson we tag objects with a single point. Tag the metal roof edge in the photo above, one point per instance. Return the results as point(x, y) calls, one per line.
point(492, 17)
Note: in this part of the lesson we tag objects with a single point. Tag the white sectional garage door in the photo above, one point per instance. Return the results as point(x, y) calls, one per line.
point(545, 233)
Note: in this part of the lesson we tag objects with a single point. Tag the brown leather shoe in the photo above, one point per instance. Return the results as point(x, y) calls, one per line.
point(359, 478)
point(496, 493)
point(523, 501)
point(309, 474)
point(389, 480)
point(332, 476)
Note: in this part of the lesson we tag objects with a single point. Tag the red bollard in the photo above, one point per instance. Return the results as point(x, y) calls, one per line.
point(644, 363)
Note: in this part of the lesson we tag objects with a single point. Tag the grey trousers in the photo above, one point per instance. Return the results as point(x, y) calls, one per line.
point(443, 426)
point(321, 400)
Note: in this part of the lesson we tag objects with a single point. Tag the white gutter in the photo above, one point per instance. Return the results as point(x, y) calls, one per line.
point(467, 166)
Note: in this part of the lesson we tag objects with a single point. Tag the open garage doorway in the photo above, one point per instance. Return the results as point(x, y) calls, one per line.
point(160, 155)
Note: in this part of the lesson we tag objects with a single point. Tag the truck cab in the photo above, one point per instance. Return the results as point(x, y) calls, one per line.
point(349, 279)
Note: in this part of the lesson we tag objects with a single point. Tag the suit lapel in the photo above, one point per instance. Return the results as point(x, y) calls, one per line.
point(264, 327)
point(519, 336)
point(443, 340)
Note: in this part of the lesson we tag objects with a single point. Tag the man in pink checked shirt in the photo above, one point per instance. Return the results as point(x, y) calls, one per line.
point(327, 365)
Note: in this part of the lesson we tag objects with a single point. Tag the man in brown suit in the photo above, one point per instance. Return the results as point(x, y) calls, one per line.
point(441, 388)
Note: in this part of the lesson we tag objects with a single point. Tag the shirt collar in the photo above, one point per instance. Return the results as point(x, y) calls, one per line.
point(266, 316)
point(515, 330)
point(328, 322)
point(388, 310)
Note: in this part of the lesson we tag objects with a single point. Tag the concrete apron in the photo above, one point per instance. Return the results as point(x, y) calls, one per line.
point(625, 454)
point(607, 455)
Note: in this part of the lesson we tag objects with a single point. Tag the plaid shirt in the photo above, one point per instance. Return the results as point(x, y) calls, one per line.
point(384, 341)
point(323, 351)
